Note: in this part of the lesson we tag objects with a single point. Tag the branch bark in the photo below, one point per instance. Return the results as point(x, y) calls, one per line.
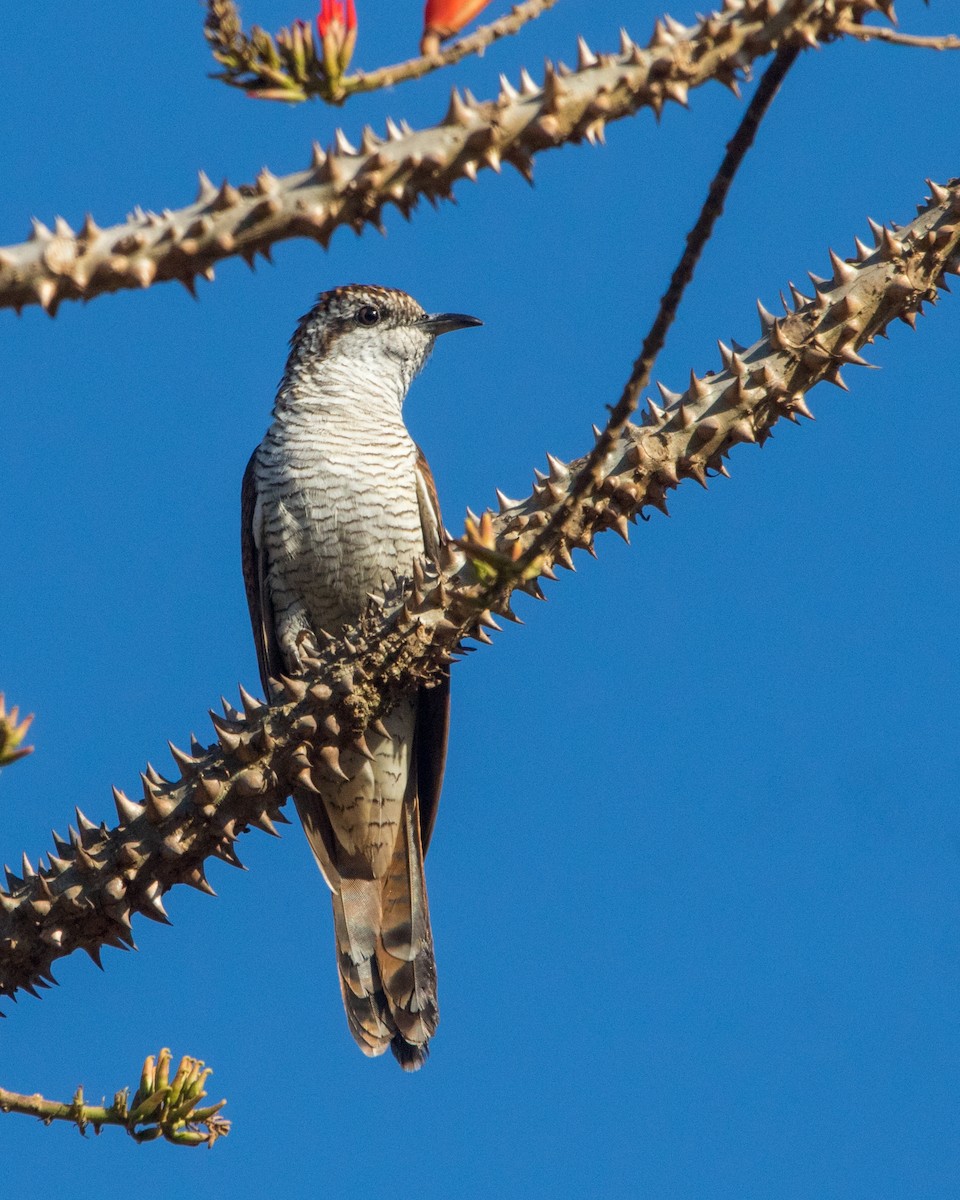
point(98, 878)
point(346, 186)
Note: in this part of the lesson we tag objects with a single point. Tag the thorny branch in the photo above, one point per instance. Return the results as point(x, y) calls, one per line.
point(161, 1106)
point(97, 878)
point(346, 186)
point(287, 67)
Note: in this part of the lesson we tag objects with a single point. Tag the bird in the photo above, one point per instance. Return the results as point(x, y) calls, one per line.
point(337, 503)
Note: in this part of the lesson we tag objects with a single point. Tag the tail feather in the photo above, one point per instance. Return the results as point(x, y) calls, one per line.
point(388, 976)
point(405, 954)
point(356, 920)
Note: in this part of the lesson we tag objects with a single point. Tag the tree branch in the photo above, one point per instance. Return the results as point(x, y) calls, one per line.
point(287, 67)
point(894, 37)
point(346, 186)
point(98, 877)
point(161, 1106)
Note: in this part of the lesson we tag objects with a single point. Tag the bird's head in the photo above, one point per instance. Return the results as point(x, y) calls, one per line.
point(364, 341)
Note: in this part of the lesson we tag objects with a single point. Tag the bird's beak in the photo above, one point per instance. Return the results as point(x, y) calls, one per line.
point(438, 323)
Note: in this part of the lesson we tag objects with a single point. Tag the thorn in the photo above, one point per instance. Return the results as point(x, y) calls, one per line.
point(94, 952)
point(154, 776)
point(38, 231)
point(342, 145)
point(186, 763)
point(252, 707)
point(585, 56)
point(890, 247)
point(84, 822)
point(153, 905)
point(553, 89)
point(833, 376)
point(127, 809)
point(699, 388)
point(330, 757)
point(198, 880)
point(504, 501)
point(457, 112)
point(294, 689)
point(205, 189)
point(359, 744)
point(262, 821)
point(742, 431)
point(45, 291)
point(527, 86)
point(677, 90)
point(843, 272)
point(799, 405)
point(558, 469)
point(508, 93)
point(847, 354)
point(226, 851)
point(157, 807)
point(226, 197)
point(938, 194)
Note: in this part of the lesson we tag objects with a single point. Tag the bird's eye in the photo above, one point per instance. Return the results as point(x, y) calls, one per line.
point(368, 315)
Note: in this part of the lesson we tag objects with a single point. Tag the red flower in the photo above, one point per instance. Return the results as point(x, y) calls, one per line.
point(443, 18)
point(337, 26)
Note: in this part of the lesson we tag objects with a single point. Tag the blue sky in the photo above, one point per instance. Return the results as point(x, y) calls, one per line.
point(694, 882)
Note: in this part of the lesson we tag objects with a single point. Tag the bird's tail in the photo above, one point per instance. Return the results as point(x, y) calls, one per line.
point(388, 976)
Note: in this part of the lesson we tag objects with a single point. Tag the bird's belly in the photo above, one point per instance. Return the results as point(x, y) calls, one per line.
point(337, 546)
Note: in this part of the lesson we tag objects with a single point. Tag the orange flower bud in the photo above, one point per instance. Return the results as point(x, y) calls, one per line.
point(443, 18)
point(337, 26)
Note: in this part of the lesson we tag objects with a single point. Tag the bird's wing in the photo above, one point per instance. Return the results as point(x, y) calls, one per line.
point(255, 579)
point(433, 704)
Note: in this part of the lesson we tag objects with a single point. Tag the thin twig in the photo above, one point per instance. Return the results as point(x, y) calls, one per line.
point(593, 469)
point(870, 33)
point(475, 43)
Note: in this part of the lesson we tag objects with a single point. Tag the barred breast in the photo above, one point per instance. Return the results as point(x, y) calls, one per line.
point(339, 516)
